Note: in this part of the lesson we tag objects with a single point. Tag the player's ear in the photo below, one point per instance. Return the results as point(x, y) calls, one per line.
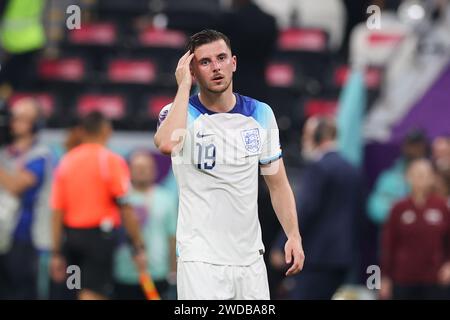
point(234, 62)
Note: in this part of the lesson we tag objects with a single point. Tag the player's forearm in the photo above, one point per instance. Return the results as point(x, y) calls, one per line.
point(16, 183)
point(173, 254)
point(131, 225)
point(171, 131)
point(57, 230)
point(283, 203)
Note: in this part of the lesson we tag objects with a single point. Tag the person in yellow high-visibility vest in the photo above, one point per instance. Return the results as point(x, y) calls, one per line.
point(22, 34)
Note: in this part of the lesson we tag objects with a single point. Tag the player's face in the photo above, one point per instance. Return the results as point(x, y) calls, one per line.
point(213, 66)
point(23, 116)
point(142, 170)
point(421, 176)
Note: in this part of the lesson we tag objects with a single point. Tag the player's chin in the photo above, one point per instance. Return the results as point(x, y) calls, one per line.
point(218, 87)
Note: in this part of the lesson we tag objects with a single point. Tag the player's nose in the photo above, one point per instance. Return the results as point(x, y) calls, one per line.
point(215, 65)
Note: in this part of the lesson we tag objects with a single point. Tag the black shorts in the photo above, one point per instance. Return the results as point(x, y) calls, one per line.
point(92, 250)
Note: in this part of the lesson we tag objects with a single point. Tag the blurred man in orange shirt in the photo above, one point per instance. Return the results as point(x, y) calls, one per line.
point(89, 202)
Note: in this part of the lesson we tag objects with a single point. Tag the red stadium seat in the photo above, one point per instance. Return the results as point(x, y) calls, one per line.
point(152, 37)
point(112, 106)
point(379, 38)
point(103, 33)
point(156, 103)
point(132, 71)
point(65, 69)
point(46, 100)
point(302, 40)
point(320, 107)
point(372, 76)
point(280, 75)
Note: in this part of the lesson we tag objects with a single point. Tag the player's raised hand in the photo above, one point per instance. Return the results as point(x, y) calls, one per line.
point(294, 254)
point(183, 71)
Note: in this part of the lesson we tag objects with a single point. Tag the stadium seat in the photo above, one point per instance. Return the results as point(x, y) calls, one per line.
point(132, 71)
point(152, 37)
point(94, 34)
point(156, 103)
point(112, 106)
point(280, 74)
point(296, 39)
point(71, 69)
point(320, 107)
point(120, 7)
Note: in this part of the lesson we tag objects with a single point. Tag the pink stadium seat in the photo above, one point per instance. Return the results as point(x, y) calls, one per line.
point(46, 100)
point(132, 71)
point(320, 107)
point(302, 40)
point(112, 106)
point(103, 33)
point(384, 38)
point(372, 76)
point(156, 103)
point(152, 37)
point(280, 75)
point(66, 69)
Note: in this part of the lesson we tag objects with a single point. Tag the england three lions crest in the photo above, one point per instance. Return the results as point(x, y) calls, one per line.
point(251, 139)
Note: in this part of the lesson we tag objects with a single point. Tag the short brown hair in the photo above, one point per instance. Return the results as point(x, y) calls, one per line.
point(92, 123)
point(204, 37)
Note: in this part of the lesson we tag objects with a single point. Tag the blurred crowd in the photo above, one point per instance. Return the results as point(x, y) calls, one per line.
point(40, 219)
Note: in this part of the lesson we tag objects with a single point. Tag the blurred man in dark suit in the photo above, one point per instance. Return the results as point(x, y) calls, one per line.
point(330, 202)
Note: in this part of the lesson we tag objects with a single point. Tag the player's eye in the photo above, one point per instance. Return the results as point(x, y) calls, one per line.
point(222, 58)
point(204, 62)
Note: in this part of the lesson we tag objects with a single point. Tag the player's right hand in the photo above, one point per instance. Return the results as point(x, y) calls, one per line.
point(183, 71)
point(140, 261)
point(58, 268)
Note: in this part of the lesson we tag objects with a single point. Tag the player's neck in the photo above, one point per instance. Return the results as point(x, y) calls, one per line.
point(419, 197)
point(95, 140)
point(24, 142)
point(218, 102)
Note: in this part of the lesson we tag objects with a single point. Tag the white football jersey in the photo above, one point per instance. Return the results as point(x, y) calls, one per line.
point(217, 176)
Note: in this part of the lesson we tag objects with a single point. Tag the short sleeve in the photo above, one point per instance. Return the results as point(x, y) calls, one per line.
point(37, 168)
point(163, 114)
point(271, 148)
point(57, 196)
point(119, 183)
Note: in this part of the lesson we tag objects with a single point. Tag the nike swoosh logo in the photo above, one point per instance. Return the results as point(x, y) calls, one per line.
point(199, 135)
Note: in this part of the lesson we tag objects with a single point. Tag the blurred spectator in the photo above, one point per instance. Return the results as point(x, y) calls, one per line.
point(25, 168)
point(22, 35)
point(157, 215)
point(416, 237)
point(329, 203)
point(376, 45)
point(441, 159)
point(253, 35)
point(391, 185)
point(89, 192)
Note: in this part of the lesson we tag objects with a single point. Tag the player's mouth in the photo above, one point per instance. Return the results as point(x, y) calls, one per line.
point(218, 78)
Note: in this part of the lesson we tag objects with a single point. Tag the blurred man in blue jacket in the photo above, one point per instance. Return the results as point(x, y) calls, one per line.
point(330, 201)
